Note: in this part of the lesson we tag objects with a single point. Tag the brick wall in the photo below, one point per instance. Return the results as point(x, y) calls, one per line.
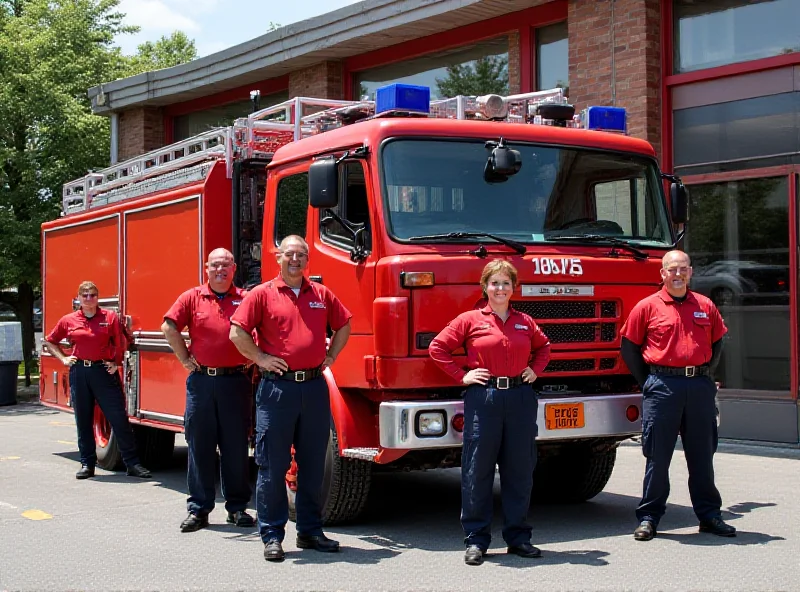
point(140, 130)
point(514, 82)
point(615, 59)
point(323, 80)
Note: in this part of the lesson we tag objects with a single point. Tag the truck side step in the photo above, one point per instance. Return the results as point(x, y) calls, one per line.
point(368, 454)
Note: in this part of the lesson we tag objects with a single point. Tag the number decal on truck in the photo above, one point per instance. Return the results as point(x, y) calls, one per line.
point(548, 266)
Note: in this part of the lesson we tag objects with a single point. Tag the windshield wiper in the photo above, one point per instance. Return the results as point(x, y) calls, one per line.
point(599, 238)
point(518, 247)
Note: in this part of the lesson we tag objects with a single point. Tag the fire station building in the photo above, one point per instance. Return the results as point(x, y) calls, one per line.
point(714, 85)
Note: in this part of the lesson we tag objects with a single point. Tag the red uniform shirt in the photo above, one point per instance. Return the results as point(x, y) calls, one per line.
point(674, 333)
point(96, 338)
point(504, 349)
point(208, 319)
point(292, 327)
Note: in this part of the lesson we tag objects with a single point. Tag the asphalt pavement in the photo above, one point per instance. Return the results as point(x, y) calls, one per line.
point(117, 533)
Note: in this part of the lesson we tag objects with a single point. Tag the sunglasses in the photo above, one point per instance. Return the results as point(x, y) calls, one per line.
point(89, 295)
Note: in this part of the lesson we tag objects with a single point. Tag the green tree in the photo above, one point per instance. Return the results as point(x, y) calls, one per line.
point(51, 53)
point(486, 75)
point(164, 53)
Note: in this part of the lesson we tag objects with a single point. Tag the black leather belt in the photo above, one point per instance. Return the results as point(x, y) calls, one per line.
point(221, 371)
point(688, 371)
point(88, 363)
point(294, 375)
point(505, 382)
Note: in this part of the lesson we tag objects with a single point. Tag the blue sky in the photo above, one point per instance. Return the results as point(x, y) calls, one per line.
point(215, 24)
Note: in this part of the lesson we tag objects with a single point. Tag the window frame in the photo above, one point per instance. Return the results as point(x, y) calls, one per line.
point(337, 241)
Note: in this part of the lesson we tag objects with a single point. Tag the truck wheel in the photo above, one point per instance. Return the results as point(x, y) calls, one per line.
point(575, 475)
point(345, 485)
point(155, 446)
point(109, 456)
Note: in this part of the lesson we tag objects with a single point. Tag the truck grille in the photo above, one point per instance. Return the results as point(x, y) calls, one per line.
point(570, 365)
point(548, 312)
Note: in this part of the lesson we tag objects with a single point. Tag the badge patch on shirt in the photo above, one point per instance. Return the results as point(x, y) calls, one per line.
point(484, 326)
point(521, 327)
point(700, 315)
point(236, 302)
point(103, 324)
point(316, 304)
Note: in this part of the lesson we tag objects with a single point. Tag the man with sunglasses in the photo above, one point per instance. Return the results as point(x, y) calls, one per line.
point(290, 316)
point(218, 394)
point(672, 343)
point(95, 336)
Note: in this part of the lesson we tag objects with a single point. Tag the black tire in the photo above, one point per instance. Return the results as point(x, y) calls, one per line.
point(576, 474)
point(109, 456)
point(155, 446)
point(345, 486)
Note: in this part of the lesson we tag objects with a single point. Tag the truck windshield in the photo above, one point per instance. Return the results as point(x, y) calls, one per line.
point(436, 187)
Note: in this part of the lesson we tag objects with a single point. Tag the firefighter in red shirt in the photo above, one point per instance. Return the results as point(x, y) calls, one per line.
point(218, 394)
point(94, 334)
point(290, 316)
point(672, 342)
point(506, 351)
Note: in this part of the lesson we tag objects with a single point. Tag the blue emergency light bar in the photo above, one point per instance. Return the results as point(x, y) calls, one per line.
point(403, 97)
point(607, 119)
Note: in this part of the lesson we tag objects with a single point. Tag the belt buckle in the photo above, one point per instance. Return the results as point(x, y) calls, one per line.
point(300, 376)
point(87, 363)
point(691, 371)
point(503, 382)
point(211, 371)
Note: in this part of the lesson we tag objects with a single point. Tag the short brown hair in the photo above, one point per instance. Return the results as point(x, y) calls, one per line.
point(498, 266)
point(87, 285)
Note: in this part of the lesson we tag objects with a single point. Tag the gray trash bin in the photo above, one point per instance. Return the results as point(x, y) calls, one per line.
point(10, 358)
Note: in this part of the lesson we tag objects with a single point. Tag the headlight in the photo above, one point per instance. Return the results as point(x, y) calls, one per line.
point(430, 424)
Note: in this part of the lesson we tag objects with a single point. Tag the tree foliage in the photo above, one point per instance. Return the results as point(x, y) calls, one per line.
point(164, 53)
point(486, 75)
point(51, 53)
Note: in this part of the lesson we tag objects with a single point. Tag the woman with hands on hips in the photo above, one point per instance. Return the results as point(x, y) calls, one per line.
point(506, 351)
point(95, 335)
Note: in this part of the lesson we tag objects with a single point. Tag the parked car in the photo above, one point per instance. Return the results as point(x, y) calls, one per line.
point(742, 282)
point(7, 314)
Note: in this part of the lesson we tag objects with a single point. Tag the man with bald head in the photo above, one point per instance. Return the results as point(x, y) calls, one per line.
point(672, 343)
point(218, 394)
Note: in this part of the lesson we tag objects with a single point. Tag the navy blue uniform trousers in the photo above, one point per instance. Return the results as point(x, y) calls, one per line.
point(675, 405)
point(90, 384)
point(218, 411)
point(499, 429)
point(289, 413)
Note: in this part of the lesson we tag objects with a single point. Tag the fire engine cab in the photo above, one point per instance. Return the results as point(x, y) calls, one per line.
point(402, 201)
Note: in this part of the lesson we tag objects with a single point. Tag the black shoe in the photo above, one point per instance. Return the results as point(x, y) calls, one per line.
point(718, 527)
point(273, 551)
point(194, 522)
point(85, 472)
point(317, 542)
point(525, 550)
point(645, 531)
point(139, 471)
point(474, 555)
point(241, 518)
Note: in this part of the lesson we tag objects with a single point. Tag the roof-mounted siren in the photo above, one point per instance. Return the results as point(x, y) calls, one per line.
point(402, 100)
point(553, 113)
point(606, 119)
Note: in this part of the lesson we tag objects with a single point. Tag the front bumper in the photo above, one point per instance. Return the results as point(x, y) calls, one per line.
point(605, 416)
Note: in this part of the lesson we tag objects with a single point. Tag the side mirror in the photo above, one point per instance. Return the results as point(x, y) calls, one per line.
point(502, 163)
point(678, 203)
point(323, 183)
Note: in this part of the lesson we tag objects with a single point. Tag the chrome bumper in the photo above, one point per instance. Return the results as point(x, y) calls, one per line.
point(604, 416)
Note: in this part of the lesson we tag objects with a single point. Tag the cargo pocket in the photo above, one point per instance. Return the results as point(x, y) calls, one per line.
point(647, 438)
point(260, 453)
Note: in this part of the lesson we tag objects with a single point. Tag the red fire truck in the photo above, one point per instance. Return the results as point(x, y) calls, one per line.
point(402, 202)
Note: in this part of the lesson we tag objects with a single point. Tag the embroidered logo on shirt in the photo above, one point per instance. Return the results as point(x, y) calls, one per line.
point(104, 324)
point(236, 302)
point(521, 327)
point(700, 315)
point(316, 304)
point(484, 326)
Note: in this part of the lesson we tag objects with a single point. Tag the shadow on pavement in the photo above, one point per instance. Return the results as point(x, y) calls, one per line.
point(23, 408)
point(702, 539)
point(592, 558)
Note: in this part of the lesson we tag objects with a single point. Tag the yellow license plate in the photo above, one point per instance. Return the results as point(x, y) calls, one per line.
point(563, 416)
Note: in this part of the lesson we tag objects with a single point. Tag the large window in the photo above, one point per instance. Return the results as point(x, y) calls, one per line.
point(474, 70)
point(353, 208)
point(438, 187)
point(717, 32)
point(191, 124)
point(552, 57)
point(738, 238)
point(291, 208)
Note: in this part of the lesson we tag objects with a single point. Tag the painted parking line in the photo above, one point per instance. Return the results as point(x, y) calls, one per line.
point(2, 458)
point(7, 506)
point(36, 515)
point(67, 424)
point(67, 442)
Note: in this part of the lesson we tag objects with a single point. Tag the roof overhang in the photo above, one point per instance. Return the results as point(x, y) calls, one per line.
point(349, 31)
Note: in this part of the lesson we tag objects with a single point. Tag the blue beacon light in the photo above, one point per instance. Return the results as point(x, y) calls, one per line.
point(607, 119)
point(402, 97)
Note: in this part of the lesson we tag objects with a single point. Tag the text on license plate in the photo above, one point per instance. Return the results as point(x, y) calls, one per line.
point(563, 416)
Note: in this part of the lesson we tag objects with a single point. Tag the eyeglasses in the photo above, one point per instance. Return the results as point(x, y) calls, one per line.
point(678, 270)
point(293, 254)
point(89, 295)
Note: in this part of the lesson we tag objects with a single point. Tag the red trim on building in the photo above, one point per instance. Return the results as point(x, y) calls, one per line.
point(793, 285)
point(667, 54)
point(779, 61)
point(742, 175)
point(522, 21)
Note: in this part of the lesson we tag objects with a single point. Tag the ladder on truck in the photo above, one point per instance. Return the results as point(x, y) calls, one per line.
point(260, 134)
